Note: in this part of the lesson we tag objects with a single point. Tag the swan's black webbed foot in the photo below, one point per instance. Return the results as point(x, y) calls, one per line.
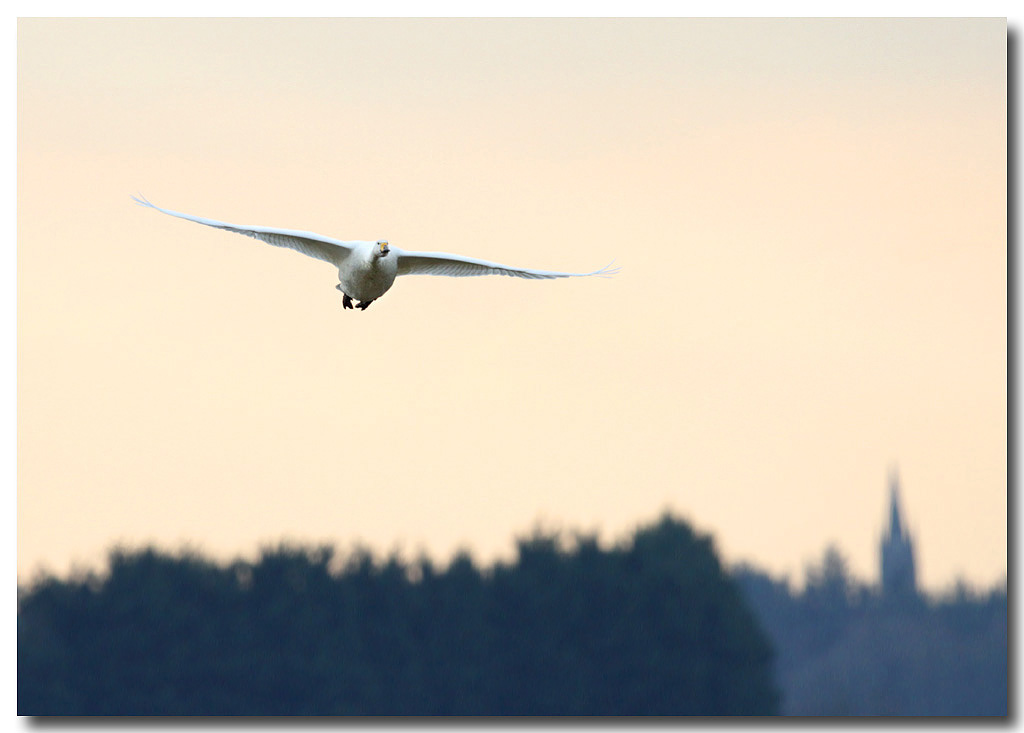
point(346, 301)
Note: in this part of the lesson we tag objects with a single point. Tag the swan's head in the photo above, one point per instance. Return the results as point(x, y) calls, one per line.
point(382, 249)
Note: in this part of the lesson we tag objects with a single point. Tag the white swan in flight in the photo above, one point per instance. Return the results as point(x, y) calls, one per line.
point(366, 270)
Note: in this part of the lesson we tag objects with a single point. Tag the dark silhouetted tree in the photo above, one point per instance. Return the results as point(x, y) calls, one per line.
point(651, 626)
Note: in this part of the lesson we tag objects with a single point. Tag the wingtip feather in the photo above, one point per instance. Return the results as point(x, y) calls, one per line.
point(609, 270)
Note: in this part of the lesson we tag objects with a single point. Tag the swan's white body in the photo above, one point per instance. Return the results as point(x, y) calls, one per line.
point(367, 270)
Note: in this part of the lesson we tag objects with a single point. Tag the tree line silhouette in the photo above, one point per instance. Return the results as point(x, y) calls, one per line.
point(651, 626)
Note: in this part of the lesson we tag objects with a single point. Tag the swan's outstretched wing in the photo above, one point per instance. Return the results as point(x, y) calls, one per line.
point(442, 263)
point(308, 243)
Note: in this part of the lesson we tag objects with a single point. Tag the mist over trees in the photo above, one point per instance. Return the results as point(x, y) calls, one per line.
point(652, 626)
point(844, 648)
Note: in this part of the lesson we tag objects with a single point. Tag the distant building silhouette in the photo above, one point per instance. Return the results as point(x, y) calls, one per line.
point(898, 574)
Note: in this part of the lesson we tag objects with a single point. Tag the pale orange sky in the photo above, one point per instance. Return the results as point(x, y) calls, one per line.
point(810, 217)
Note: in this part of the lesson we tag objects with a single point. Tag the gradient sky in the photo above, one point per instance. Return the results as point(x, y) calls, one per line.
point(810, 217)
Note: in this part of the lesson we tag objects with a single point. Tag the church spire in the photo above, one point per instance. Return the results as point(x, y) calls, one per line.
point(895, 523)
point(898, 572)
